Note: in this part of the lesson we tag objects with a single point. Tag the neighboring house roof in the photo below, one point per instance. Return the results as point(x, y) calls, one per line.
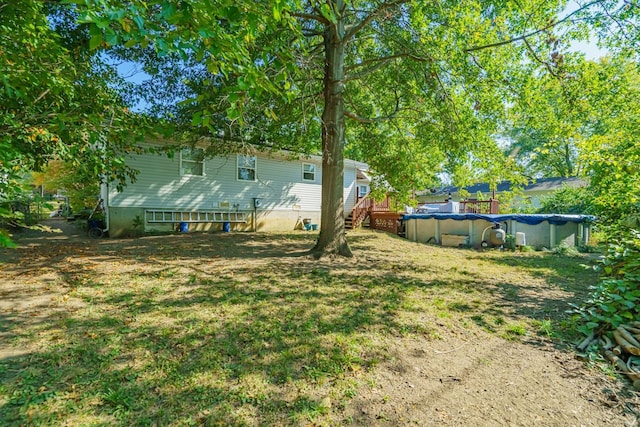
point(535, 185)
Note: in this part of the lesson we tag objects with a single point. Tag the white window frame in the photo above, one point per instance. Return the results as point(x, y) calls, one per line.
point(242, 164)
point(313, 172)
point(359, 187)
point(184, 161)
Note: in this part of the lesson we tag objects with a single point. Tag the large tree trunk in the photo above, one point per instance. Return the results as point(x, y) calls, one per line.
point(332, 238)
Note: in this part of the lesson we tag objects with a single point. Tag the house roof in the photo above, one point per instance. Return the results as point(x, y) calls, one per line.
point(534, 185)
point(362, 174)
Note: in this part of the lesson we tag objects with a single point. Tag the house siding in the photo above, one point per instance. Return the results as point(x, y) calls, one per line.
point(285, 196)
point(160, 185)
point(349, 193)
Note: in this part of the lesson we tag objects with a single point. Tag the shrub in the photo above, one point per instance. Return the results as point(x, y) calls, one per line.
point(564, 250)
point(567, 200)
point(616, 298)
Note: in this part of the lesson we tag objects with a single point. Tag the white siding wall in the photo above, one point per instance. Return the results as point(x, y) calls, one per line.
point(279, 184)
point(349, 187)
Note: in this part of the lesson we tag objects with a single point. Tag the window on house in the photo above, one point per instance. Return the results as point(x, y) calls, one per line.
point(363, 190)
point(246, 168)
point(192, 161)
point(308, 172)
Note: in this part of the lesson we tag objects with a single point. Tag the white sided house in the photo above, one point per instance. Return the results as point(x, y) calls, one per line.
point(261, 192)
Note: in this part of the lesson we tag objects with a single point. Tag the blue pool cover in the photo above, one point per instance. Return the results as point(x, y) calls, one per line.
point(523, 218)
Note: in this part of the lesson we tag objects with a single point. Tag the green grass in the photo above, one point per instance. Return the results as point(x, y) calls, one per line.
point(514, 331)
point(243, 330)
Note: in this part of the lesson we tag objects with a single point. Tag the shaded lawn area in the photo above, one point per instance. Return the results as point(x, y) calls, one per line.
point(244, 329)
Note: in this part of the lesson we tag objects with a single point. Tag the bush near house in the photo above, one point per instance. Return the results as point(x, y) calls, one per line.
point(568, 200)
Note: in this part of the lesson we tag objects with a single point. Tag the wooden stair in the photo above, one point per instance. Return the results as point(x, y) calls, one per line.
point(376, 215)
point(361, 213)
point(348, 222)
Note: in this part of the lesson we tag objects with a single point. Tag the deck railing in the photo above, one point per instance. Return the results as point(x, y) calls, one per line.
point(479, 206)
point(475, 206)
point(367, 206)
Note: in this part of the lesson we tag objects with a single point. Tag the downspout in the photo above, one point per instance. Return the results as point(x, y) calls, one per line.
point(257, 202)
point(104, 194)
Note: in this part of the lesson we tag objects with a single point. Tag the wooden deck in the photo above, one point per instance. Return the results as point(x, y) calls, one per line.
point(381, 217)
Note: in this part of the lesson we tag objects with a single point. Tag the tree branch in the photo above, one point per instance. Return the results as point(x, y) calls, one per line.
point(379, 63)
point(508, 84)
point(354, 29)
point(372, 120)
point(42, 95)
point(535, 56)
point(309, 16)
point(619, 24)
point(363, 120)
point(533, 33)
point(311, 33)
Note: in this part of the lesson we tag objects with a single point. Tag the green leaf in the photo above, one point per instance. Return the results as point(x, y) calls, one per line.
point(95, 41)
point(270, 113)
point(116, 14)
point(102, 23)
point(233, 13)
point(196, 119)
point(168, 10)
point(5, 240)
point(111, 37)
point(187, 101)
point(162, 47)
point(326, 11)
point(139, 21)
point(242, 83)
point(232, 113)
point(212, 67)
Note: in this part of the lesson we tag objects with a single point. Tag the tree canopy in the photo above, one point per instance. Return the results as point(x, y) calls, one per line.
point(584, 124)
point(58, 98)
point(610, 150)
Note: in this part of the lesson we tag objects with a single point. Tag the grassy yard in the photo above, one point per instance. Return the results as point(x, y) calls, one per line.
point(244, 329)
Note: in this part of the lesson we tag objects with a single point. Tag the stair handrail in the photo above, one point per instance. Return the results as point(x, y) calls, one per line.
point(360, 210)
point(366, 205)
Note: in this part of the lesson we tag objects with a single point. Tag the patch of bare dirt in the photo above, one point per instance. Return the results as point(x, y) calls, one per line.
point(488, 382)
point(477, 379)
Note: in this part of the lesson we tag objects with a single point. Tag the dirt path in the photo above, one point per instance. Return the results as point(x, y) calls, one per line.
point(490, 382)
point(52, 229)
point(461, 379)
